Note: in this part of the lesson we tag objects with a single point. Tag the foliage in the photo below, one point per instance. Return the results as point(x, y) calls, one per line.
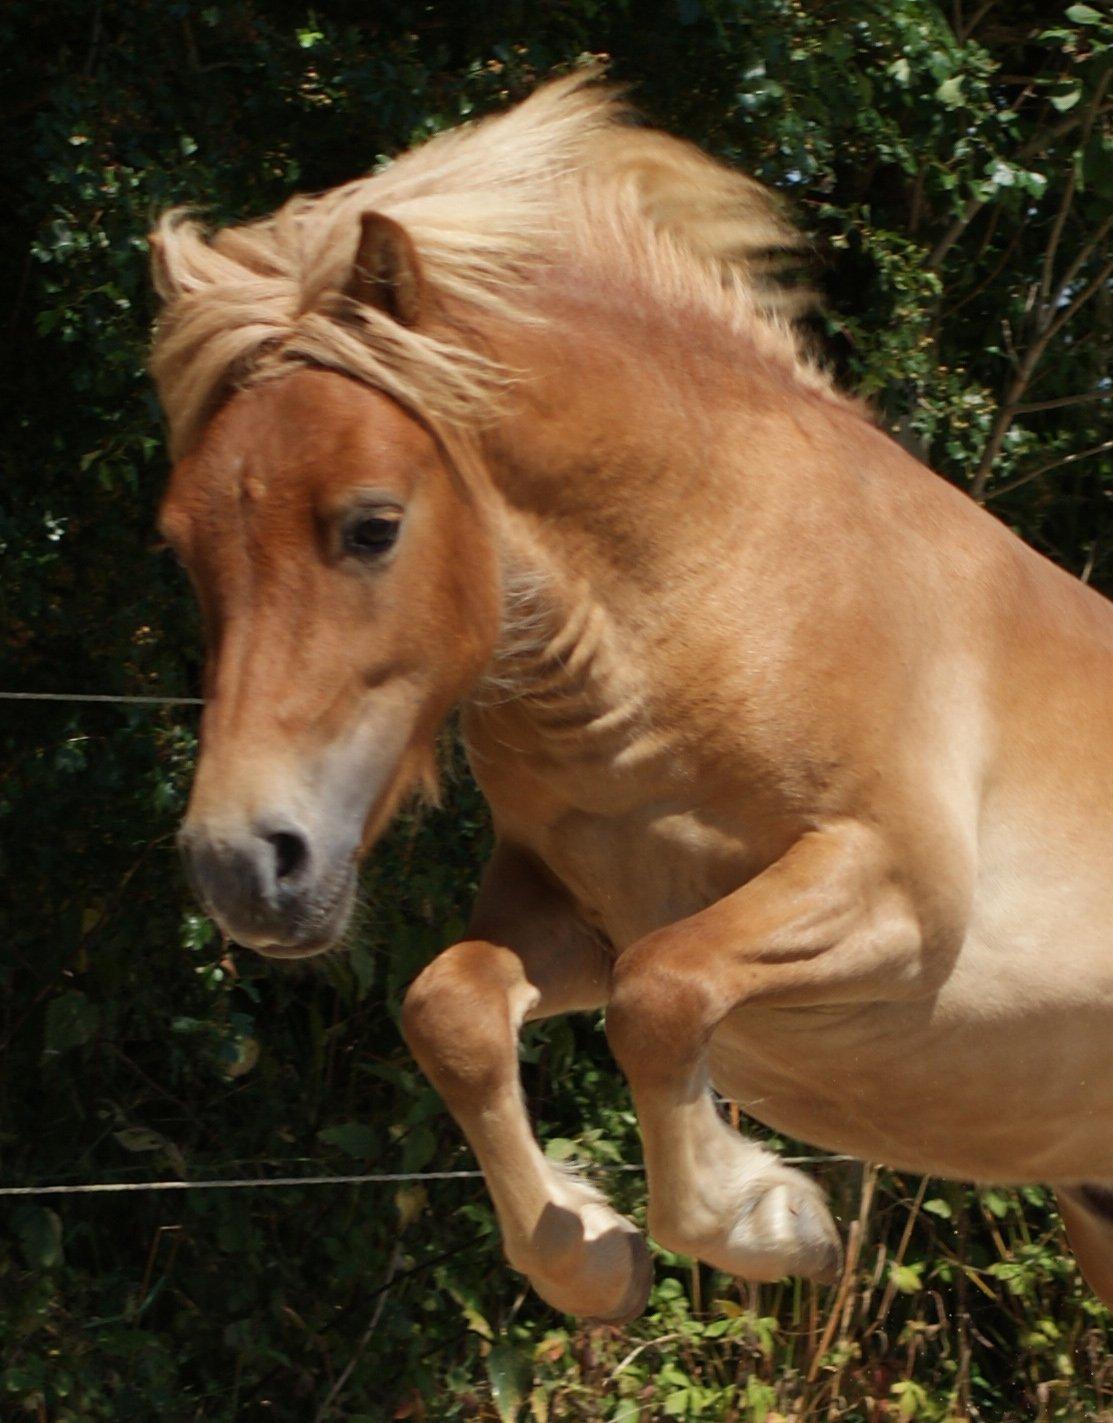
point(956, 171)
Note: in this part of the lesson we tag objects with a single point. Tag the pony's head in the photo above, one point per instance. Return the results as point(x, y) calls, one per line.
point(350, 593)
point(326, 373)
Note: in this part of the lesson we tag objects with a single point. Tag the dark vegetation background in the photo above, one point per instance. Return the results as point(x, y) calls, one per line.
point(954, 165)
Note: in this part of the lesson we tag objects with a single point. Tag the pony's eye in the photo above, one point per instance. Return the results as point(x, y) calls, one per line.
point(371, 535)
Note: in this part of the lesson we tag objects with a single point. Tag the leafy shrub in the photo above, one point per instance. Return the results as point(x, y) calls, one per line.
point(956, 172)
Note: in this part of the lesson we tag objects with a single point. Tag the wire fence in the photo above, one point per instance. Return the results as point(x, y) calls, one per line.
point(100, 697)
point(114, 1187)
point(375, 1178)
point(89, 1188)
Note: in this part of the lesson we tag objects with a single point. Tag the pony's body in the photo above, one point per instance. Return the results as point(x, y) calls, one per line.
point(963, 690)
point(797, 759)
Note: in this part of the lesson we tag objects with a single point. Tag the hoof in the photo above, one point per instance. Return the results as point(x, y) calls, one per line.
point(789, 1231)
point(604, 1273)
point(777, 1224)
point(641, 1282)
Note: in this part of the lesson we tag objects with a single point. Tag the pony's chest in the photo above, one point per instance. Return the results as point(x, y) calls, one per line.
point(635, 873)
point(616, 826)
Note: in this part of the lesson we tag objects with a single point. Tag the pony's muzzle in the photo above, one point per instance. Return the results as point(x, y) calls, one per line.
point(263, 886)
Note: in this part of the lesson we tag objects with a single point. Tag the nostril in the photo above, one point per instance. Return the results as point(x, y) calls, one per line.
point(290, 853)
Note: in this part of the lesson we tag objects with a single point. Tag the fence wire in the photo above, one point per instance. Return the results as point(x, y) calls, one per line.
point(373, 1178)
point(100, 697)
point(90, 1188)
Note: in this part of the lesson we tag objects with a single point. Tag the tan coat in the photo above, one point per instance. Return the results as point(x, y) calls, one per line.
point(799, 761)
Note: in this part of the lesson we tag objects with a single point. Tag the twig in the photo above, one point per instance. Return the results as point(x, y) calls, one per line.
point(853, 1251)
point(1057, 226)
point(1032, 357)
point(988, 280)
point(155, 1087)
point(365, 1339)
point(1068, 197)
point(641, 1348)
point(1047, 468)
point(965, 29)
point(1061, 400)
point(1032, 149)
point(94, 42)
point(868, 1189)
point(853, 1247)
point(962, 1379)
point(898, 1259)
point(1083, 255)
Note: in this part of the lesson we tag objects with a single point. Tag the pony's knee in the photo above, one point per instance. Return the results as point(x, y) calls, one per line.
point(456, 1018)
point(659, 1015)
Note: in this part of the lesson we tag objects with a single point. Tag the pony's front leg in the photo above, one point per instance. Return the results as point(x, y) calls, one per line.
point(823, 924)
point(529, 958)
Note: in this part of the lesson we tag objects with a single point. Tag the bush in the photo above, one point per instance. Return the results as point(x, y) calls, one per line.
point(956, 175)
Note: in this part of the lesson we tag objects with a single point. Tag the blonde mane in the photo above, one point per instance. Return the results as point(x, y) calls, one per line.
point(563, 177)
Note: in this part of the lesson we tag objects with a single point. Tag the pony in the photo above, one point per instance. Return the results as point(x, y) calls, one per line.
point(798, 761)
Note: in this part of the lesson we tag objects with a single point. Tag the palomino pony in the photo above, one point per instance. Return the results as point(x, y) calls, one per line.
point(799, 762)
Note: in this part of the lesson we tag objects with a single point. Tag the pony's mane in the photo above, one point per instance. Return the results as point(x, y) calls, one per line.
point(564, 176)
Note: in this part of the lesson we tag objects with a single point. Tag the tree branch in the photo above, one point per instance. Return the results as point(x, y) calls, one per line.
point(964, 29)
point(1047, 468)
point(1031, 149)
point(1083, 255)
point(1068, 191)
point(1031, 358)
point(1060, 401)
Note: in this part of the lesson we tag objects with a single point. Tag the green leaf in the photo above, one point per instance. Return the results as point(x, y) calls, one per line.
point(997, 1203)
point(1066, 100)
point(511, 1374)
point(71, 1020)
point(761, 1398)
point(911, 1397)
point(906, 1278)
point(418, 1149)
point(950, 93)
point(1097, 165)
point(410, 1201)
point(353, 1138)
point(472, 1314)
point(561, 1148)
point(363, 966)
point(39, 1232)
point(1085, 15)
point(140, 1139)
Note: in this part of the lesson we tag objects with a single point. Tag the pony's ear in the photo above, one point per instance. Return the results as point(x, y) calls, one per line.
point(386, 272)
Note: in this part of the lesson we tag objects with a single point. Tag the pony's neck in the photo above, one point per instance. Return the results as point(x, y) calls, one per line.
point(631, 472)
point(644, 448)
